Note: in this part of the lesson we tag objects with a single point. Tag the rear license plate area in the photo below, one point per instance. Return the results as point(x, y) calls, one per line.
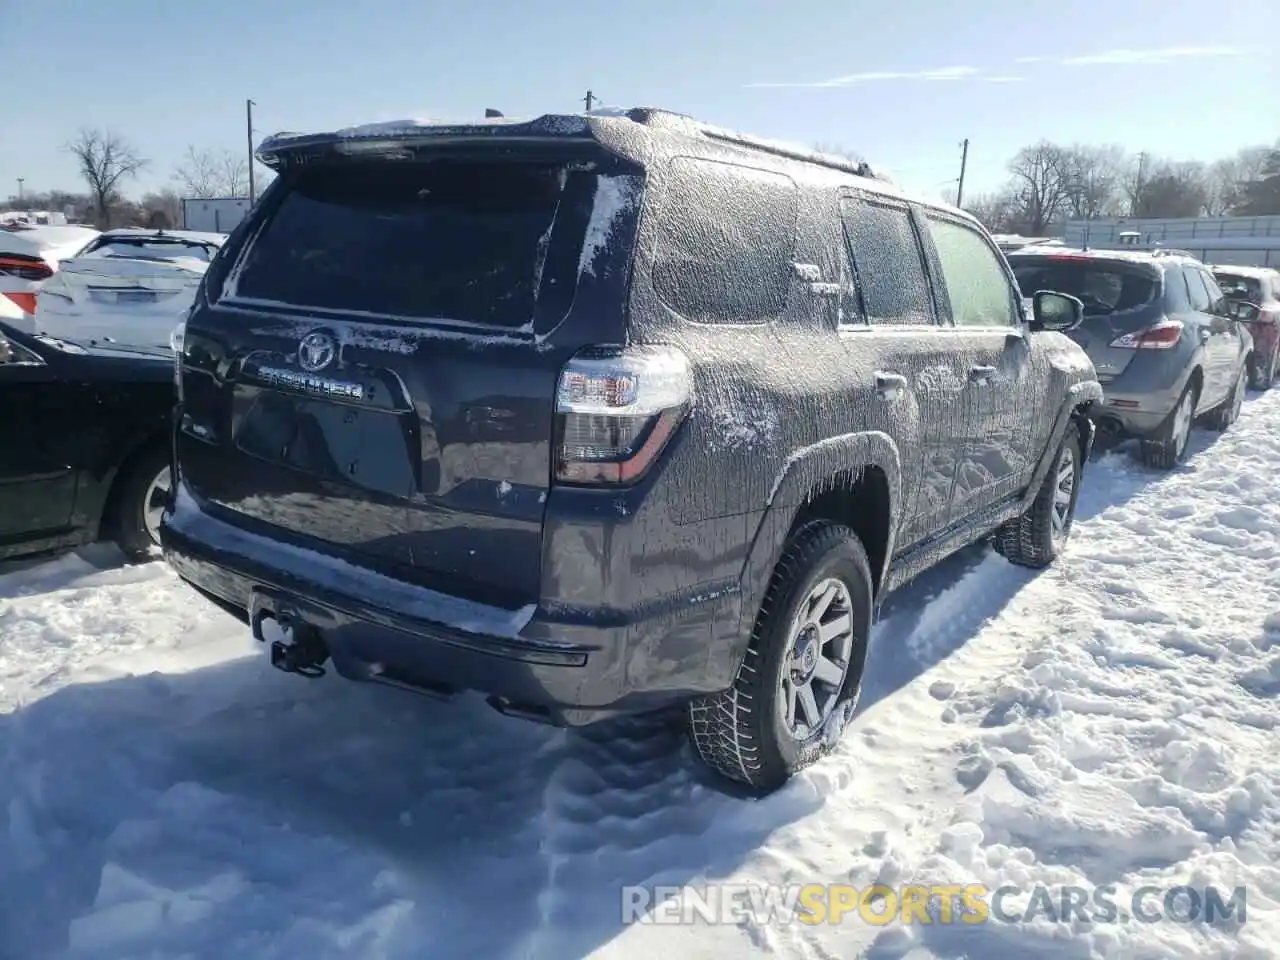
point(135, 296)
point(336, 442)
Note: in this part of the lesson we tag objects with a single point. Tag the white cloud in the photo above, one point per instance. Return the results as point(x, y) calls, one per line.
point(1003, 79)
point(1030, 60)
point(854, 79)
point(1140, 57)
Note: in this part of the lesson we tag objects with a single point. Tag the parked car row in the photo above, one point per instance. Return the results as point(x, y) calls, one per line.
point(613, 413)
point(127, 287)
point(1169, 346)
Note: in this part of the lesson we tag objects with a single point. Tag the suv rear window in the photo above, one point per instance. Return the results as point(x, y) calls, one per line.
point(1236, 286)
point(452, 240)
point(1104, 288)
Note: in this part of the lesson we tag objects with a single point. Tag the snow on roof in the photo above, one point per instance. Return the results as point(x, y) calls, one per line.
point(1145, 257)
point(1258, 273)
point(49, 243)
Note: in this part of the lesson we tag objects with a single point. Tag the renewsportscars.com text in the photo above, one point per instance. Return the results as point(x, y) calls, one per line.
point(881, 905)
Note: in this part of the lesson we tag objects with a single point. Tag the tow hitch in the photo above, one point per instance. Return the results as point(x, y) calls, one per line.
point(296, 647)
point(304, 655)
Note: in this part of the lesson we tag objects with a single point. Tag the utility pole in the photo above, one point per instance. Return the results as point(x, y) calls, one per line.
point(21, 181)
point(1137, 190)
point(589, 99)
point(248, 120)
point(964, 162)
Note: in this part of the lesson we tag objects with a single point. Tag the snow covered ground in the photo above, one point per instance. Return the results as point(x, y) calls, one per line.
point(1111, 721)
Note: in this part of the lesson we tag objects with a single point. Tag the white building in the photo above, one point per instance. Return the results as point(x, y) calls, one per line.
point(215, 215)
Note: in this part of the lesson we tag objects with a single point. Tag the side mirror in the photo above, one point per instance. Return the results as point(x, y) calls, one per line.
point(1055, 311)
point(6, 351)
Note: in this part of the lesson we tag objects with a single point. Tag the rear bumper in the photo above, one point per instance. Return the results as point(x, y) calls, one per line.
point(1138, 401)
point(569, 668)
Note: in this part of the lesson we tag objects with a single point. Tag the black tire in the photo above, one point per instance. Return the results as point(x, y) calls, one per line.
point(1168, 447)
point(129, 527)
point(741, 733)
point(1222, 417)
point(1262, 374)
point(1034, 539)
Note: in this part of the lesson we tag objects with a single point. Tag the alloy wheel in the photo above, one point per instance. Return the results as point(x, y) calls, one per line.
point(817, 659)
point(1064, 488)
point(153, 503)
point(1182, 423)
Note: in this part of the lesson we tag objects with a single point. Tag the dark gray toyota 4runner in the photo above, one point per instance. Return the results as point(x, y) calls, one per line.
point(602, 414)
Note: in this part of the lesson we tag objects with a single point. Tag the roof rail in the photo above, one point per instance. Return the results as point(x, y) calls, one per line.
point(1171, 252)
point(857, 167)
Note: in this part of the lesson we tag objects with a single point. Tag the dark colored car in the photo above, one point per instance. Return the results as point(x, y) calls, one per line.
point(1164, 339)
point(1259, 286)
point(605, 414)
point(86, 445)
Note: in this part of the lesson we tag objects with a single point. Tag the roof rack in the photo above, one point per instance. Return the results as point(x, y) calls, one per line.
point(1171, 252)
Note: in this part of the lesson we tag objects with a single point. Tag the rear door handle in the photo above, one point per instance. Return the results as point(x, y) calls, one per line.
point(982, 375)
point(888, 384)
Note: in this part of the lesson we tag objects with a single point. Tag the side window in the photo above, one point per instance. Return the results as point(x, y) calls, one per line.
point(980, 293)
point(1216, 295)
point(1176, 298)
point(1196, 289)
point(726, 242)
point(887, 263)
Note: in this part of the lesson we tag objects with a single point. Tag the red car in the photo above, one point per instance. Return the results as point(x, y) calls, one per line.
point(1261, 287)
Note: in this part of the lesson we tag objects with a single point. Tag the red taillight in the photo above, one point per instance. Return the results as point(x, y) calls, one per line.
point(615, 411)
point(1159, 336)
point(26, 301)
point(25, 268)
point(1068, 258)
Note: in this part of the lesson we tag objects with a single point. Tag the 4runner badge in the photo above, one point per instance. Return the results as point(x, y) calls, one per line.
point(316, 351)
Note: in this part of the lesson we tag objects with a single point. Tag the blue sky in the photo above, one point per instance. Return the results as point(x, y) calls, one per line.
point(902, 82)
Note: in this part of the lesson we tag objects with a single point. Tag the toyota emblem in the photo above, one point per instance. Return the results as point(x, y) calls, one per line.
point(316, 351)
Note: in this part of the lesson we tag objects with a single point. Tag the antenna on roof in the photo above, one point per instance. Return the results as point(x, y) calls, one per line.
point(589, 100)
point(490, 113)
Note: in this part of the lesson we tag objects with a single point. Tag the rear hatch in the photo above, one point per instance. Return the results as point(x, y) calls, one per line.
point(1119, 297)
point(372, 366)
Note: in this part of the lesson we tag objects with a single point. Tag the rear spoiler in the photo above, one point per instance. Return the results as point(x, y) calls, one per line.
point(402, 138)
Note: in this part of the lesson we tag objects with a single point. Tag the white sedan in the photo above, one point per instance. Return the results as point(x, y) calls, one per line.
point(129, 287)
point(29, 256)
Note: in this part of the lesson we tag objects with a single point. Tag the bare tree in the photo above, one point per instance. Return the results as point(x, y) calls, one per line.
point(1228, 176)
point(1093, 177)
point(1260, 195)
point(1171, 190)
point(1041, 184)
point(162, 209)
point(206, 174)
point(105, 159)
point(996, 211)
